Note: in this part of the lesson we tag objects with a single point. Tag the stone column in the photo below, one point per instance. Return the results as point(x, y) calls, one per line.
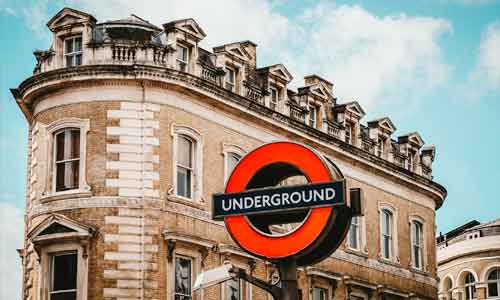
point(480, 291)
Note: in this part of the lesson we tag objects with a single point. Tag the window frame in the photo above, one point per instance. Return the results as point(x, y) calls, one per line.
point(226, 82)
point(182, 65)
point(51, 273)
point(191, 273)
point(227, 150)
point(275, 101)
point(422, 247)
point(56, 162)
point(493, 281)
point(358, 226)
point(197, 162)
point(324, 290)
point(67, 123)
point(46, 268)
point(470, 287)
point(73, 54)
point(381, 146)
point(348, 132)
point(394, 257)
point(313, 115)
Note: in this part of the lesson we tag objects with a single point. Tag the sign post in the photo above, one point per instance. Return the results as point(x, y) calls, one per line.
point(252, 203)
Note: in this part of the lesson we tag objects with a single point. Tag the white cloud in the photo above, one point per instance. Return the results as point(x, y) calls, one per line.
point(487, 69)
point(11, 238)
point(368, 57)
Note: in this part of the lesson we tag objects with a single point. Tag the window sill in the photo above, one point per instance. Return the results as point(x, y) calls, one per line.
point(419, 271)
point(389, 262)
point(357, 252)
point(65, 195)
point(186, 201)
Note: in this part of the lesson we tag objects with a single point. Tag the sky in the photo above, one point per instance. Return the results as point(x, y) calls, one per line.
point(432, 66)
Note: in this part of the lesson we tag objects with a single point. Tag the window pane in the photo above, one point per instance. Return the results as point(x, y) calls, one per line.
point(78, 44)
point(494, 275)
point(67, 174)
point(183, 182)
point(185, 149)
point(69, 61)
point(78, 60)
point(387, 247)
point(319, 294)
point(64, 270)
point(183, 276)
point(68, 145)
point(493, 289)
point(182, 53)
point(69, 45)
point(63, 296)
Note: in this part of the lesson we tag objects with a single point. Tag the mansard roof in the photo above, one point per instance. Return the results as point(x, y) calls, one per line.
point(413, 137)
point(68, 16)
point(133, 21)
point(383, 122)
point(188, 25)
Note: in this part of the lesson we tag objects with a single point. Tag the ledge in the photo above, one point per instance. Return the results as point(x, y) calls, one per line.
point(46, 81)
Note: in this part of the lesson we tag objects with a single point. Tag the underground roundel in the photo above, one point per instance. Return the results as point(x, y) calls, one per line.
point(255, 202)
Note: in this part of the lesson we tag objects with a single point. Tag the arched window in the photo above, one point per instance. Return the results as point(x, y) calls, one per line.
point(232, 161)
point(470, 286)
point(494, 283)
point(417, 244)
point(386, 235)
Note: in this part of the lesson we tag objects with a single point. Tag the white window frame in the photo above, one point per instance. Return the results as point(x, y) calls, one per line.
point(273, 104)
point(46, 271)
point(423, 247)
point(197, 174)
point(227, 82)
point(227, 150)
point(83, 125)
point(74, 53)
point(394, 257)
point(183, 65)
point(245, 289)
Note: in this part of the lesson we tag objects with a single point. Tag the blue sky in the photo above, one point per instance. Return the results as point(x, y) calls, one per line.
point(431, 66)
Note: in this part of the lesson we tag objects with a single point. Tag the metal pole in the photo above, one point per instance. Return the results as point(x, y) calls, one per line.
point(289, 287)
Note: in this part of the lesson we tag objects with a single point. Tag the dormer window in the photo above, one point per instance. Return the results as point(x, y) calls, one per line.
point(312, 116)
point(230, 79)
point(273, 102)
point(73, 51)
point(182, 58)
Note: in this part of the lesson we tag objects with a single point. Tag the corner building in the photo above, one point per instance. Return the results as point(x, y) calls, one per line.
point(469, 262)
point(133, 127)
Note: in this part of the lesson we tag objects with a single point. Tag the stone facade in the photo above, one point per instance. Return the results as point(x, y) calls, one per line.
point(131, 90)
point(468, 257)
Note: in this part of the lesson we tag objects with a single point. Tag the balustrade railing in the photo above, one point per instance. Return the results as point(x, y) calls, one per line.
point(123, 53)
point(209, 74)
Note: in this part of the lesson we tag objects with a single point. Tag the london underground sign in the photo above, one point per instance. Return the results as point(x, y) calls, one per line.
point(251, 204)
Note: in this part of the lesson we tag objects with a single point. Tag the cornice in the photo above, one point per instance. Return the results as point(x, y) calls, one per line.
point(42, 83)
